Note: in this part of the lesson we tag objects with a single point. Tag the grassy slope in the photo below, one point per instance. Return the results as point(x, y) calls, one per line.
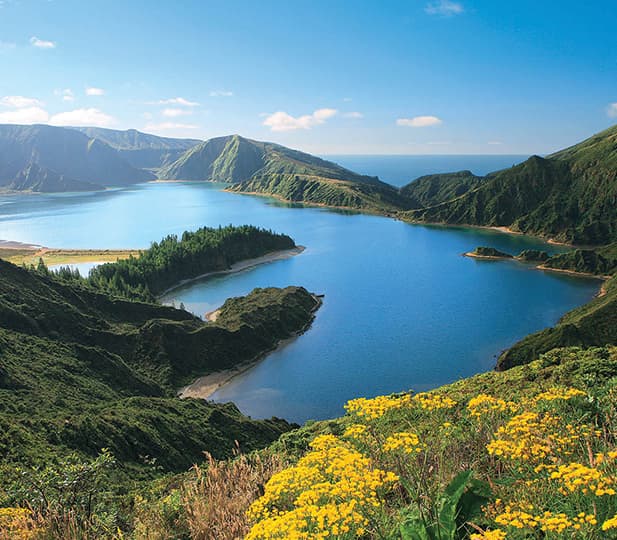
point(271, 169)
point(452, 440)
point(569, 195)
point(437, 188)
point(80, 370)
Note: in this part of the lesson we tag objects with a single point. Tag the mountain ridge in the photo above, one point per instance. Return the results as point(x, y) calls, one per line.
point(63, 159)
point(569, 196)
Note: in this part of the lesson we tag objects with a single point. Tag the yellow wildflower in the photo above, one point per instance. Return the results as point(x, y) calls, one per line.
point(495, 534)
point(610, 523)
point(431, 401)
point(406, 441)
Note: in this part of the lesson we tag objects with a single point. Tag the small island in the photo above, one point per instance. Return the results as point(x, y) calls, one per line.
point(483, 252)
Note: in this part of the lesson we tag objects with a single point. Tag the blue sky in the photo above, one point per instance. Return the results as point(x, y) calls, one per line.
point(408, 77)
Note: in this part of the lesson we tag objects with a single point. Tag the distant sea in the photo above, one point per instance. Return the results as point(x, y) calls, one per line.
point(400, 170)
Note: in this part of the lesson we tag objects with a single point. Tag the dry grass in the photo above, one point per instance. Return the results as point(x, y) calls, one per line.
point(210, 502)
point(216, 501)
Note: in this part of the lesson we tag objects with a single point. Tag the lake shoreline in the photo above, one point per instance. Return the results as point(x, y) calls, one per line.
point(240, 266)
point(205, 386)
point(573, 273)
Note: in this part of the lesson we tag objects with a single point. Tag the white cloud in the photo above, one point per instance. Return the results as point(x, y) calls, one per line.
point(494, 142)
point(92, 91)
point(353, 114)
point(41, 43)
point(20, 102)
point(221, 93)
point(419, 121)
point(445, 8)
point(174, 113)
point(25, 115)
point(82, 117)
point(612, 110)
point(281, 121)
point(67, 94)
point(175, 101)
point(167, 126)
point(439, 143)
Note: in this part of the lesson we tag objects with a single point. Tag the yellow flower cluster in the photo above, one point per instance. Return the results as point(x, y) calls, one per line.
point(16, 523)
point(555, 393)
point(519, 519)
point(328, 493)
point(603, 457)
point(372, 409)
point(533, 436)
point(432, 402)
point(355, 431)
point(547, 521)
point(578, 477)
point(406, 441)
point(489, 535)
point(483, 404)
point(610, 523)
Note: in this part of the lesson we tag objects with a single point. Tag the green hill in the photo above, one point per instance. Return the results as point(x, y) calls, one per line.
point(437, 188)
point(271, 169)
point(141, 150)
point(47, 158)
point(569, 195)
point(81, 370)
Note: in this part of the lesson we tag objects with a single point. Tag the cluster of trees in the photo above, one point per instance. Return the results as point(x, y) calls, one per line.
point(174, 259)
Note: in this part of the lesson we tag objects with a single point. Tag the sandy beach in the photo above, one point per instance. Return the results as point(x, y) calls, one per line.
point(205, 386)
point(486, 257)
point(241, 265)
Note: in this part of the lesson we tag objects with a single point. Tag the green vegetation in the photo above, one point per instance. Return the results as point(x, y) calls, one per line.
point(533, 255)
point(173, 260)
point(489, 253)
point(515, 455)
point(569, 196)
point(46, 158)
point(379, 198)
point(271, 169)
point(602, 261)
point(437, 188)
point(81, 371)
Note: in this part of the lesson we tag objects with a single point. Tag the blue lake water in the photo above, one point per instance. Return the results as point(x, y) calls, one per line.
point(402, 308)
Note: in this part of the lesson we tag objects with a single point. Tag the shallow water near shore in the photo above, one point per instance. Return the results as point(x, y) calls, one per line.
point(402, 308)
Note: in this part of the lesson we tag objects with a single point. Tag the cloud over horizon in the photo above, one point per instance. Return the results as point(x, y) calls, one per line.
point(175, 101)
point(612, 110)
point(19, 102)
point(168, 126)
point(93, 91)
point(42, 43)
point(174, 113)
point(83, 117)
point(445, 8)
point(419, 121)
point(282, 121)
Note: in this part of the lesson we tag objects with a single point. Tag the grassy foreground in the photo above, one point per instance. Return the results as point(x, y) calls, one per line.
point(529, 453)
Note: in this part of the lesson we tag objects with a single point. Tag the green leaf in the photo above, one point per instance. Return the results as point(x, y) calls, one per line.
point(449, 506)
